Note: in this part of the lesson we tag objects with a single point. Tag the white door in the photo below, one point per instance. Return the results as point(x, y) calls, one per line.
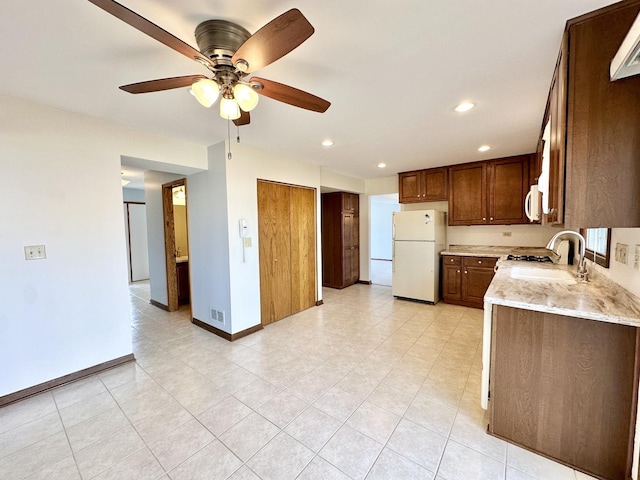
point(137, 239)
point(414, 271)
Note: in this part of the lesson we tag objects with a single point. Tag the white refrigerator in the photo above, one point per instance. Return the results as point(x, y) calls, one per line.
point(418, 238)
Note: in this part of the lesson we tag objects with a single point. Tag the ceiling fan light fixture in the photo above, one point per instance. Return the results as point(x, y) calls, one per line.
point(206, 91)
point(246, 96)
point(229, 109)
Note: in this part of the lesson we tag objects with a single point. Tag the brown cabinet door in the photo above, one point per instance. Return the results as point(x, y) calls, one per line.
point(508, 186)
point(565, 387)
point(435, 184)
point(475, 281)
point(350, 202)
point(303, 248)
point(557, 141)
point(468, 194)
point(451, 282)
point(274, 234)
point(410, 187)
point(603, 126)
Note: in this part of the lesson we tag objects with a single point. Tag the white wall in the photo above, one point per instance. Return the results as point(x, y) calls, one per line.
point(243, 171)
point(155, 233)
point(209, 240)
point(381, 225)
point(623, 274)
point(71, 310)
point(132, 194)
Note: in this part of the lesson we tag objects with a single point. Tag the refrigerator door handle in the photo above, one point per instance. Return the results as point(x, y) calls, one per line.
point(393, 256)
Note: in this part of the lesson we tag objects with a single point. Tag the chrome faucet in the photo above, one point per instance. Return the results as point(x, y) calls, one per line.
point(582, 266)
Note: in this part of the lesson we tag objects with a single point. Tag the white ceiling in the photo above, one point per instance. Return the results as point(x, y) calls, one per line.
point(393, 70)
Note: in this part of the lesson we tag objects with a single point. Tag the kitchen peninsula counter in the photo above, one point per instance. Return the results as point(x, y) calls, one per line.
point(560, 361)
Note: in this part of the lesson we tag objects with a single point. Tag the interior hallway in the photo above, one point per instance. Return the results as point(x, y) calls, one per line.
point(363, 386)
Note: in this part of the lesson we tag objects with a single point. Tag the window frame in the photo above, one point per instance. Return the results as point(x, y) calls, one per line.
point(598, 258)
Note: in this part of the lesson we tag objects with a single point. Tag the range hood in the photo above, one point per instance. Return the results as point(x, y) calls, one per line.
point(627, 61)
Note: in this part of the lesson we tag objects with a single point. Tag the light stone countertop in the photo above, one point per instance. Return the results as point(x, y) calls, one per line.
point(493, 251)
point(598, 299)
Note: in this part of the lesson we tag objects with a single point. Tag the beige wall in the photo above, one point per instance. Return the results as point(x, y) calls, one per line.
point(180, 225)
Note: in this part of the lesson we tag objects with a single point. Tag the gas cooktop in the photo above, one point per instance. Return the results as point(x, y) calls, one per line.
point(530, 258)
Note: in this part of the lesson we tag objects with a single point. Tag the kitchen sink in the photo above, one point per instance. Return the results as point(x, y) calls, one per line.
point(545, 274)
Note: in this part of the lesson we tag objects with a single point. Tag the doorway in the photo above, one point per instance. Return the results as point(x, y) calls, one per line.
point(176, 242)
point(381, 237)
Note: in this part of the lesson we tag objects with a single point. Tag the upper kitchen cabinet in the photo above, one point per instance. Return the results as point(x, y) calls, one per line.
point(490, 192)
point(597, 126)
point(423, 185)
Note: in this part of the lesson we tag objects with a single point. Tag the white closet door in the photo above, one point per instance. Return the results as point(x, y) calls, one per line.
point(138, 242)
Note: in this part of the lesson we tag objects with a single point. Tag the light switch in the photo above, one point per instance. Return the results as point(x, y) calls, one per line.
point(247, 241)
point(35, 252)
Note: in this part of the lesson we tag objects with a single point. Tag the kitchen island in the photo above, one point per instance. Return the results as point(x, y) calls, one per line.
point(560, 365)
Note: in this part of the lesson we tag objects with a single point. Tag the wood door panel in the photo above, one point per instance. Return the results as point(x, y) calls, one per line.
point(435, 184)
point(565, 387)
point(475, 281)
point(509, 185)
point(303, 248)
point(468, 194)
point(275, 250)
point(451, 288)
point(410, 187)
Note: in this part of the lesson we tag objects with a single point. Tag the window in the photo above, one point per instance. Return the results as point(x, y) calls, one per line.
point(598, 245)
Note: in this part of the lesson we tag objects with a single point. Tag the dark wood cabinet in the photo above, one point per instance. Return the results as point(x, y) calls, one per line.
point(428, 185)
point(465, 279)
point(340, 239)
point(182, 274)
point(490, 192)
point(451, 278)
point(566, 388)
point(595, 126)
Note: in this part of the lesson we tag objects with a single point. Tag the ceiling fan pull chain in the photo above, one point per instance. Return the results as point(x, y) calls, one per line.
point(238, 137)
point(229, 139)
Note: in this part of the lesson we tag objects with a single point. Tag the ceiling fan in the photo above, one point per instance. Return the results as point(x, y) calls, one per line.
point(231, 53)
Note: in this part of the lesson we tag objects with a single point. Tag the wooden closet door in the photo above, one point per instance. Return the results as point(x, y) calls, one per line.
point(303, 248)
point(274, 220)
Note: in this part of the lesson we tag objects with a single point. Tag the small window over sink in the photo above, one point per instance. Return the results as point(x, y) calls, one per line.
point(598, 245)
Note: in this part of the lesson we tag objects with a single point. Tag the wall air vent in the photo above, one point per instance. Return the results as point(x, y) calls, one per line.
point(627, 61)
point(217, 316)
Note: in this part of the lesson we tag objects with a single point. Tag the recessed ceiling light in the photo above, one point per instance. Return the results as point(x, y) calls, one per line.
point(382, 165)
point(484, 148)
point(327, 143)
point(465, 107)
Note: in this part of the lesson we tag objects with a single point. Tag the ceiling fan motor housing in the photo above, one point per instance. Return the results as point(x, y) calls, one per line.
point(219, 40)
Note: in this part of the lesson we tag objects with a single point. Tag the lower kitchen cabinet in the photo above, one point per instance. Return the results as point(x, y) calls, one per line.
point(566, 388)
point(465, 279)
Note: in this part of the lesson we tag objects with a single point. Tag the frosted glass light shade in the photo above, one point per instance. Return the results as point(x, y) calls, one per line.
point(229, 109)
point(206, 91)
point(246, 96)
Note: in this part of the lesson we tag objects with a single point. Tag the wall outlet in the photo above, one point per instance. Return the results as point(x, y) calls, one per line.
point(35, 252)
point(621, 252)
point(636, 258)
point(506, 234)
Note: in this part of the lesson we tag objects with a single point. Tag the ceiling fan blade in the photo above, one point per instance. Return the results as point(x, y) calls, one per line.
point(154, 31)
point(274, 40)
point(245, 119)
point(290, 95)
point(161, 84)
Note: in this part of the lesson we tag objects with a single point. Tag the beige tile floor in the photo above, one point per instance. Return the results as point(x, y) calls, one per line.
point(364, 386)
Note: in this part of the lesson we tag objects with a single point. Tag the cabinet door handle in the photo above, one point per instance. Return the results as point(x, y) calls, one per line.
point(275, 259)
point(458, 271)
point(484, 218)
point(491, 219)
point(465, 272)
point(480, 262)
